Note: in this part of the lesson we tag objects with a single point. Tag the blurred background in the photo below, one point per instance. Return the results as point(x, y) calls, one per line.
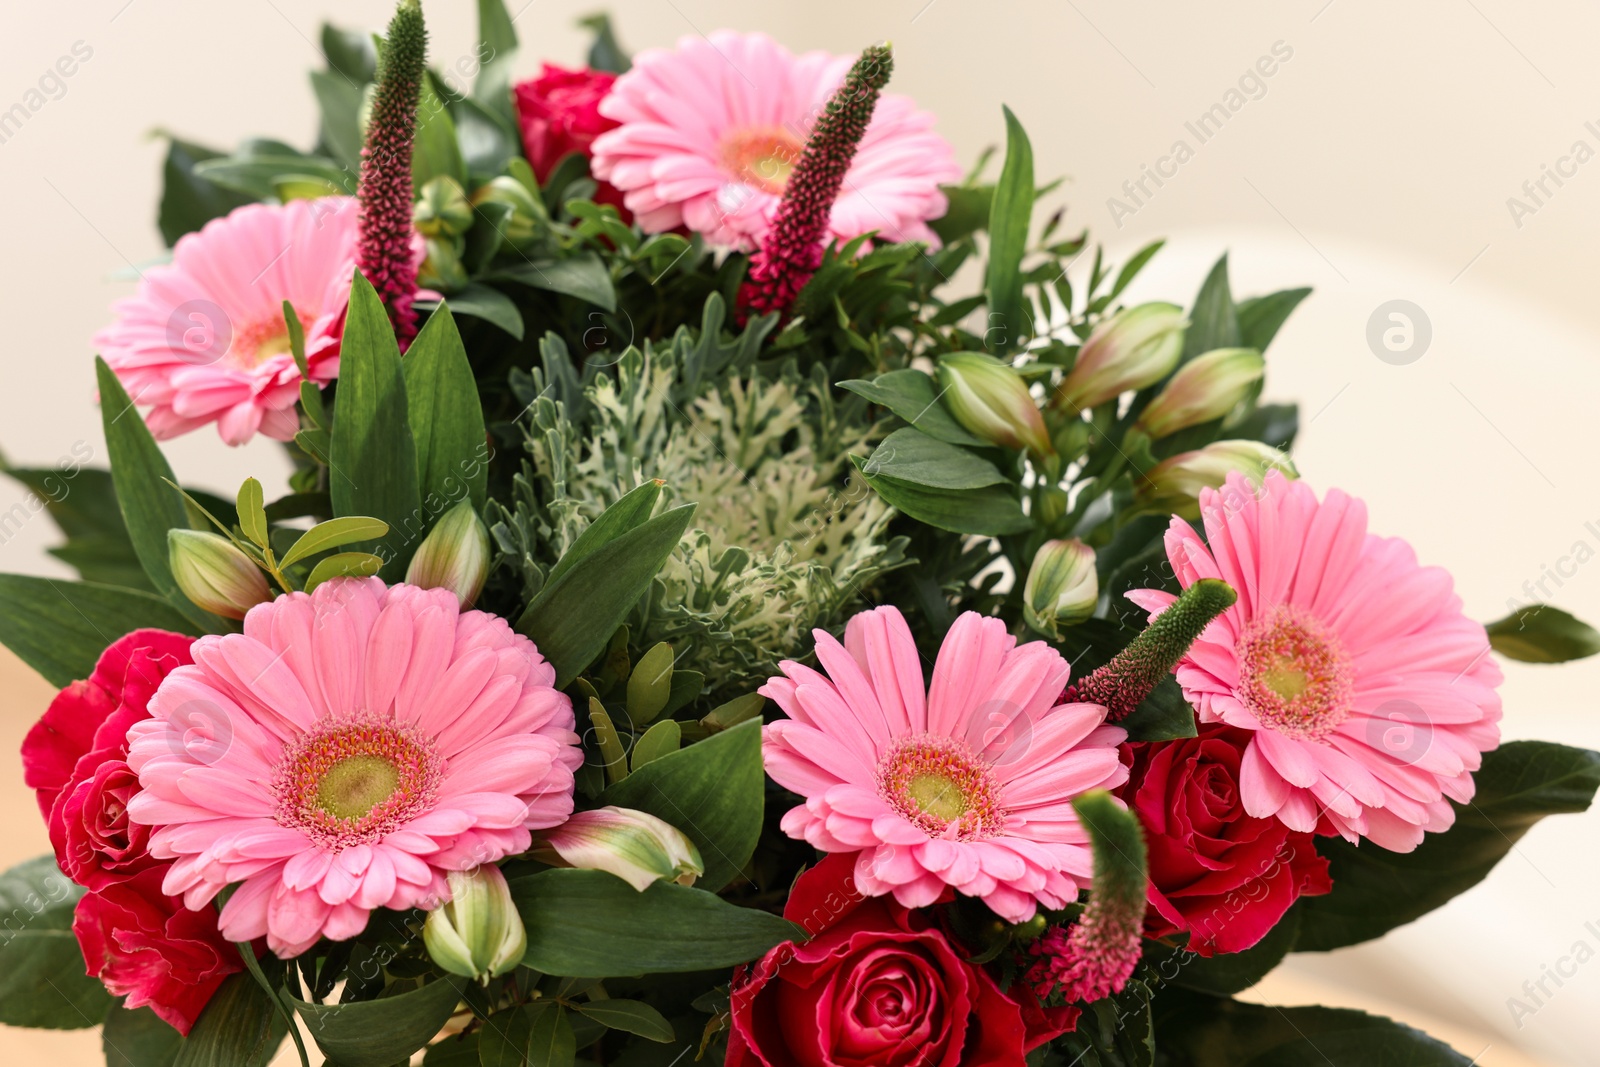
point(1442, 153)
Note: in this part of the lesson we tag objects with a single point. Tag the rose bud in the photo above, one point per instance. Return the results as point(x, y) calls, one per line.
point(442, 209)
point(1207, 387)
point(215, 574)
point(633, 845)
point(527, 214)
point(1134, 348)
point(1062, 587)
point(1173, 485)
point(992, 401)
point(477, 933)
point(454, 555)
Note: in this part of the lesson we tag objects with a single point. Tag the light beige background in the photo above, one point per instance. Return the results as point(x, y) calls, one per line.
point(1377, 164)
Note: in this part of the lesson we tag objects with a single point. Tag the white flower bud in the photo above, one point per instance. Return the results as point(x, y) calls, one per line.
point(1062, 587)
point(454, 555)
point(1207, 387)
point(1173, 485)
point(477, 933)
point(1134, 348)
point(992, 401)
point(633, 845)
point(215, 574)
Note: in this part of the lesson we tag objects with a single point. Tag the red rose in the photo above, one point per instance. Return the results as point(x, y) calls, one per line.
point(74, 758)
point(1223, 876)
point(559, 112)
point(877, 985)
point(147, 947)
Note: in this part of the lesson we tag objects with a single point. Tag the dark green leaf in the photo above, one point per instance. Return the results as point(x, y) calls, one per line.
point(969, 210)
point(712, 791)
point(349, 53)
point(490, 305)
point(240, 1027)
point(83, 504)
point(633, 1016)
point(44, 982)
point(487, 146)
point(1260, 317)
point(1274, 424)
point(909, 455)
point(583, 276)
point(1112, 1032)
point(550, 1041)
point(605, 53)
point(379, 1033)
point(1131, 269)
point(1540, 633)
point(591, 924)
point(374, 457)
point(574, 616)
point(446, 418)
point(339, 100)
point(258, 177)
point(143, 480)
point(914, 397)
point(189, 201)
point(1009, 217)
point(503, 1041)
point(435, 151)
point(1163, 716)
point(138, 1038)
point(59, 628)
point(1213, 322)
point(991, 510)
point(458, 1051)
point(629, 513)
point(1376, 890)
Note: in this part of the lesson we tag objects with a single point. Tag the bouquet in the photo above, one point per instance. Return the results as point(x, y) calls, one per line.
point(750, 591)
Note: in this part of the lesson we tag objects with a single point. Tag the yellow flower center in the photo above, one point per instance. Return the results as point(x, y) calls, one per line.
point(763, 158)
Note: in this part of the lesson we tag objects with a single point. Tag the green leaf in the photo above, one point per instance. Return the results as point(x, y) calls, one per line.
point(189, 201)
point(550, 1039)
point(1131, 269)
point(435, 152)
point(1009, 217)
point(913, 395)
point(339, 100)
point(1540, 633)
point(1115, 1031)
point(992, 510)
point(240, 1027)
point(60, 628)
point(138, 1038)
point(458, 1051)
point(662, 739)
point(83, 504)
point(503, 1041)
point(650, 684)
point(373, 469)
point(605, 53)
point(490, 305)
point(258, 176)
point(909, 455)
point(970, 206)
point(343, 565)
point(487, 146)
point(379, 1033)
point(633, 1016)
point(1375, 890)
point(712, 791)
point(583, 276)
point(629, 513)
point(1227, 972)
point(1213, 321)
point(590, 924)
point(44, 983)
point(574, 615)
point(1201, 1031)
point(252, 509)
point(1275, 424)
point(446, 418)
point(1163, 715)
point(349, 53)
point(1260, 317)
point(150, 505)
point(332, 534)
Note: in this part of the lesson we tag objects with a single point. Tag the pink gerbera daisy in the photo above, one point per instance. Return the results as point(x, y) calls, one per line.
point(345, 751)
point(203, 340)
point(967, 786)
point(709, 133)
point(1371, 696)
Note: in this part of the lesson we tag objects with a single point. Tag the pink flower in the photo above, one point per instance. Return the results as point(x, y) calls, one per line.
point(967, 785)
point(709, 133)
point(1370, 695)
point(559, 112)
point(74, 759)
point(343, 753)
point(147, 947)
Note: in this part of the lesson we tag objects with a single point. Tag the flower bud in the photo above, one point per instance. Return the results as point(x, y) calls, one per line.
point(442, 269)
point(477, 933)
point(1173, 485)
point(1207, 387)
point(1134, 348)
point(633, 845)
point(992, 401)
point(442, 209)
point(454, 555)
point(527, 214)
point(1062, 587)
point(215, 574)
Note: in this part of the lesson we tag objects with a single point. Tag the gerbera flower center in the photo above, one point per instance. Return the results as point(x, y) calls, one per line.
point(352, 782)
point(763, 158)
point(941, 786)
point(1293, 675)
point(258, 342)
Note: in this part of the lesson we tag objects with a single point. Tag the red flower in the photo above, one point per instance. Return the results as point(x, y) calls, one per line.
point(74, 758)
point(560, 114)
point(877, 984)
point(1224, 877)
point(147, 947)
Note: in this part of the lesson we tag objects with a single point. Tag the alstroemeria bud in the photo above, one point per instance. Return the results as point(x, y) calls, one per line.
point(527, 215)
point(1207, 387)
point(992, 401)
point(454, 555)
point(477, 933)
point(214, 574)
point(633, 845)
point(1134, 348)
point(442, 209)
point(1173, 486)
point(1062, 587)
